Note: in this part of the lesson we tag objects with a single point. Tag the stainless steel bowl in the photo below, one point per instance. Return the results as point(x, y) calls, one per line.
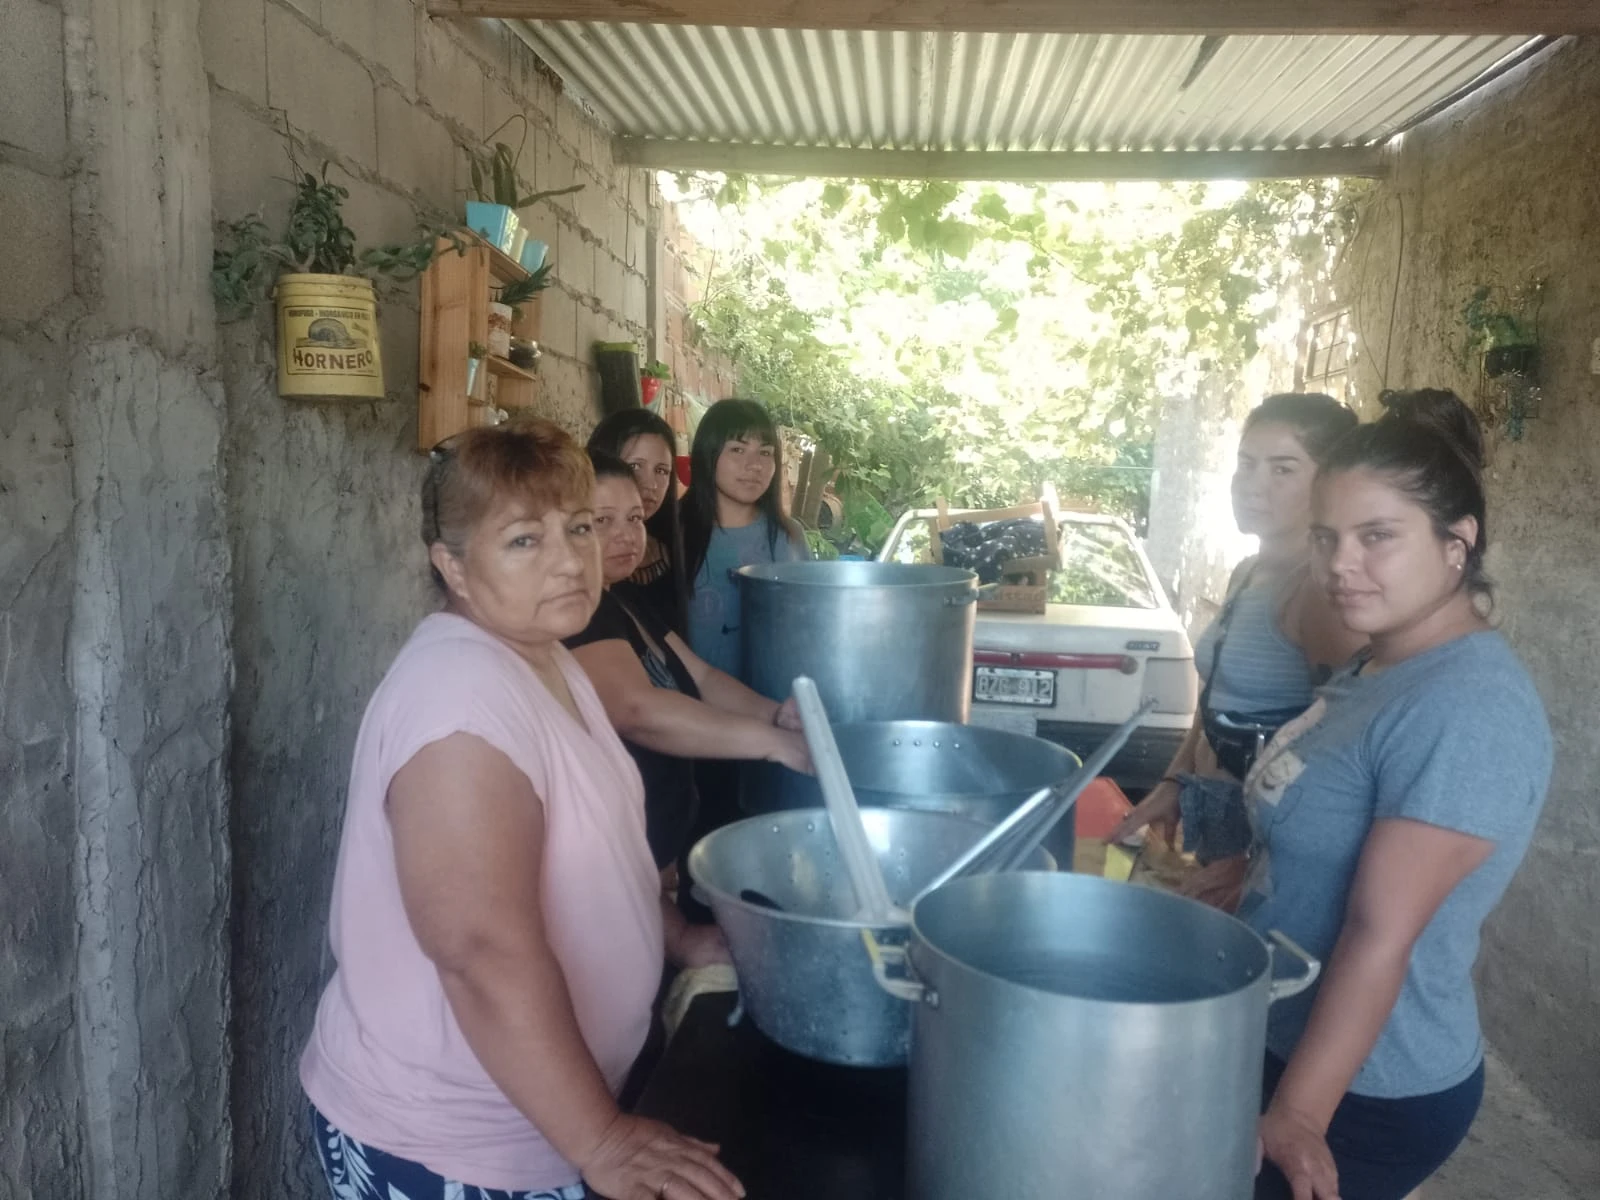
point(804, 973)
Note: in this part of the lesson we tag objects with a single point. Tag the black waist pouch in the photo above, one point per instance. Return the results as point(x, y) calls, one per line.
point(1238, 738)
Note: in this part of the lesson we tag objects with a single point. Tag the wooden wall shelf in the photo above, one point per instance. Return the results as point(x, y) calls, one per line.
point(456, 293)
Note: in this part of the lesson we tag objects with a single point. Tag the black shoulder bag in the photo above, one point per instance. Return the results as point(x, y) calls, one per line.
point(1237, 738)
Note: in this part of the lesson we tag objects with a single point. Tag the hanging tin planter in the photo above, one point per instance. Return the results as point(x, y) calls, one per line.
point(327, 320)
point(328, 337)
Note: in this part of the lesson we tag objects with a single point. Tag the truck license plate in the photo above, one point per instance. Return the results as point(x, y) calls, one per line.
point(1014, 685)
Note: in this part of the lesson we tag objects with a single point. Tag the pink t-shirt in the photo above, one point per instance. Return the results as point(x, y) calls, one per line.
point(386, 1062)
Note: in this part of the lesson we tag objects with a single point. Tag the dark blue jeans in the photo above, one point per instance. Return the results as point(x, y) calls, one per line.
point(1383, 1148)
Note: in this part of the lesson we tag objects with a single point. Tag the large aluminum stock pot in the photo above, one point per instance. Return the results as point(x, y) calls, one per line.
point(939, 767)
point(805, 976)
point(1078, 1037)
point(883, 641)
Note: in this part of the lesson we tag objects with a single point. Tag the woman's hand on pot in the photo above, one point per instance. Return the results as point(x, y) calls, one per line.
point(790, 749)
point(788, 716)
point(640, 1159)
point(1158, 810)
point(1299, 1149)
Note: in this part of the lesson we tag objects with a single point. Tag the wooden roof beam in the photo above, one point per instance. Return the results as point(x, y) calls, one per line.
point(1497, 17)
point(998, 166)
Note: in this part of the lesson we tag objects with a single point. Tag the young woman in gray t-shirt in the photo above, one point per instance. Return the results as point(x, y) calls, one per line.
point(1390, 817)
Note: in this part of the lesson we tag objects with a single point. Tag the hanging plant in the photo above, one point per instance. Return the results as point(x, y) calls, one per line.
point(328, 343)
point(316, 241)
point(1502, 328)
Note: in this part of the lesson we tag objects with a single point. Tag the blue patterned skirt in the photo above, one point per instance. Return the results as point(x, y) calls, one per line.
point(359, 1172)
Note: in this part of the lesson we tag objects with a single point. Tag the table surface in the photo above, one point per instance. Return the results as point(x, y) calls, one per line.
point(790, 1128)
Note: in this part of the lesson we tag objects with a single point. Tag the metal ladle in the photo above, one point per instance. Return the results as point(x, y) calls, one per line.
point(1032, 820)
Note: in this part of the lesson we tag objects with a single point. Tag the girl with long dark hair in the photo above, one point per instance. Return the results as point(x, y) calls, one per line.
point(647, 444)
point(732, 517)
point(1390, 817)
point(670, 707)
point(1275, 639)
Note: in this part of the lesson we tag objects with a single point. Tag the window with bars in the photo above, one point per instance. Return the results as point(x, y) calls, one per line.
point(1328, 348)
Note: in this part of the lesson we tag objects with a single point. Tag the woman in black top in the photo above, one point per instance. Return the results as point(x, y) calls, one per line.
point(646, 443)
point(669, 706)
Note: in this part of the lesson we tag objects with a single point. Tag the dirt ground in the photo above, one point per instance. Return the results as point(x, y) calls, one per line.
point(1516, 1151)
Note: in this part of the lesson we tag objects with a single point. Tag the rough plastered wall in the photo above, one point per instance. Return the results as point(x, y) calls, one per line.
point(114, 661)
point(1501, 189)
point(323, 498)
point(40, 1088)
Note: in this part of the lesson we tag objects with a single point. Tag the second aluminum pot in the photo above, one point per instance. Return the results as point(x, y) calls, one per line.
point(935, 766)
point(1077, 1037)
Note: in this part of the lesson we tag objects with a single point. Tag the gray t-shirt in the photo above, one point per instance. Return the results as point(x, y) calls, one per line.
point(714, 606)
point(1455, 737)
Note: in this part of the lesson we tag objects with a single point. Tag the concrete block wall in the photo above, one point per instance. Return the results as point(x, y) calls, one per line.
point(114, 656)
point(1500, 190)
point(329, 573)
point(391, 99)
point(40, 1090)
point(686, 271)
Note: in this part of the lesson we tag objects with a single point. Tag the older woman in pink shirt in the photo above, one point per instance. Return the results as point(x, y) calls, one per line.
point(497, 918)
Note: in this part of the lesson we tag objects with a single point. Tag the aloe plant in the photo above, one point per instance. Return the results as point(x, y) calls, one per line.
point(494, 172)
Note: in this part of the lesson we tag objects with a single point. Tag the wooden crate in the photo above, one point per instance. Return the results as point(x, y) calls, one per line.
point(455, 313)
point(1024, 585)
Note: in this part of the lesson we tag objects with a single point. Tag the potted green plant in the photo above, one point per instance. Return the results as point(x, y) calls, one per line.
point(476, 353)
point(651, 378)
point(519, 291)
point(497, 194)
point(1503, 328)
point(328, 342)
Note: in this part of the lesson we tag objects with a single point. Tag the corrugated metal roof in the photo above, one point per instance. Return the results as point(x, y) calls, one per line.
point(1019, 92)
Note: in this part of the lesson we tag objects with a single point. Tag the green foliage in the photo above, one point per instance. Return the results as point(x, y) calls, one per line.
point(975, 341)
point(315, 241)
point(1494, 318)
point(493, 172)
point(821, 548)
point(520, 291)
point(655, 370)
point(477, 350)
point(243, 266)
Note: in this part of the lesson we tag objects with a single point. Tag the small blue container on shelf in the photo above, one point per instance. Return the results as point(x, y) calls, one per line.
point(495, 223)
point(533, 255)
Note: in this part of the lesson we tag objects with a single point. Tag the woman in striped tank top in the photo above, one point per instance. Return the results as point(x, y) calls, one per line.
point(1275, 639)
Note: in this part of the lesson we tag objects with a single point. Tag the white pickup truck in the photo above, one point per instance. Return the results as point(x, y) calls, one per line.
point(1107, 640)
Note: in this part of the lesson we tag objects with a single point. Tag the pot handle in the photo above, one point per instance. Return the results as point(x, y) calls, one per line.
point(1282, 989)
point(982, 592)
point(891, 967)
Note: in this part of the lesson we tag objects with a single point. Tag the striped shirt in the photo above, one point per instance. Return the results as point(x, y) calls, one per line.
point(1260, 670)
